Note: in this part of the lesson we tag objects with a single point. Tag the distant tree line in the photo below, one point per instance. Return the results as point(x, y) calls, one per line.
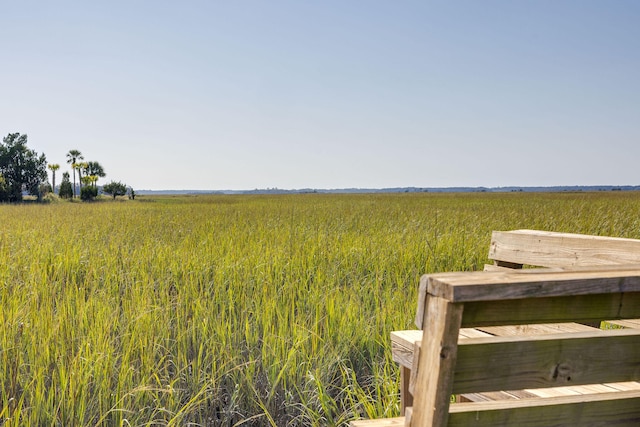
point(23, 170)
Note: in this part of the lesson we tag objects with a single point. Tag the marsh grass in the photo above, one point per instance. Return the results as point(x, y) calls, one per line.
point(238, 310)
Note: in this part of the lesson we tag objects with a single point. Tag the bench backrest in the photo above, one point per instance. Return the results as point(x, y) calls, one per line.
point(446, 367)
point(513, 249)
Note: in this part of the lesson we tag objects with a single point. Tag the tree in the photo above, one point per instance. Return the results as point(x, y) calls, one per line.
point(115, 189)
point(4, 189)
point(72, 158)
point(65, 192)
point(95, 170)
point(80, 167)
point(88, 192)
point(21, 167)
point(53, 168)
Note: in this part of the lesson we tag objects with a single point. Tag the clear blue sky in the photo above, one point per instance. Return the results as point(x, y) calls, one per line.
point(243, 94)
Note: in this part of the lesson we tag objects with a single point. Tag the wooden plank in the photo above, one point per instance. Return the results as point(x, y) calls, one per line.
point(406, 398)
point(491, 267)
point(535, 329)
point(402, 355)
point(484, 397)
point(625, 386)
point(550, 249)
point(487, 285)
point(406, 338)
point(402, 343)
point(574, 391)
point(422, 298)
point(579, 308)
point(517, 362)
point(488, 396)
point(619, 409)
point(436, 363)
point(381, 422)
point(471, 333)
point(554, 392)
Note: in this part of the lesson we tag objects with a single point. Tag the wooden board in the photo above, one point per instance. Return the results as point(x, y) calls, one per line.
point(618, 409)
point(382, 422)
point(527, 362)
point(550, 249)
point(402, 342)
point(517, 284)
point(580, 308)
point(437, 361)
point(535, 329)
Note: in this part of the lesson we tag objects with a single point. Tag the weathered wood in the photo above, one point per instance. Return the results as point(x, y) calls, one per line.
point(382, 422)
point(403, 342)
point(413, 379)
point(582, 308)
point(436, 363)
point(496, 301)
point(406, 398)
point(625, 386)
point(537, 361)
point(550, 249)
point(491, 267)
point(579, 308)
point(618, 409)
point(534, 329)
point(487, 285)
point(402, 355)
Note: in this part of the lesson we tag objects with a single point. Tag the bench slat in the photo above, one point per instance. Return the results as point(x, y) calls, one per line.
point(533, 283)
point(402, 342)
point(382, 422)
point(619, 409)
point(579, 308)
point(550, 249)
point(538, 361)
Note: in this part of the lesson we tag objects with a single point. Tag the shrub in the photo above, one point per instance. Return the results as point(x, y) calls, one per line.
point(88, 193)
point(66, 190)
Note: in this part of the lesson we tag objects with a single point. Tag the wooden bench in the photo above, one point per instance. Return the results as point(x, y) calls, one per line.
point(515, 250)
point(605, 362)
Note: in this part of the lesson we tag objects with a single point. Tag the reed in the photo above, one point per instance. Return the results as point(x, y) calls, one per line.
point(238, 310)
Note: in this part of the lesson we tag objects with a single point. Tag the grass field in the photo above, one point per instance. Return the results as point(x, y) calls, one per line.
point(238, 310)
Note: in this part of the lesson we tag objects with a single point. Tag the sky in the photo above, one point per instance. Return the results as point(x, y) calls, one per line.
point(292, 94)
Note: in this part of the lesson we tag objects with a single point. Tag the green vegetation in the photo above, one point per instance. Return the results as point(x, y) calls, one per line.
point(115, 189)
point(66, 190)
point(214, 310)
point(20, 167)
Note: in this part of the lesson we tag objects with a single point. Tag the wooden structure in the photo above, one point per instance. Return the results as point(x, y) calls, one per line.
point(518, 346)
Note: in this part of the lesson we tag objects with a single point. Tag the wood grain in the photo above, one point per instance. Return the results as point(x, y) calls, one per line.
point(551, 249)
point(548, 360)
point(616, 409)
point(437, 361)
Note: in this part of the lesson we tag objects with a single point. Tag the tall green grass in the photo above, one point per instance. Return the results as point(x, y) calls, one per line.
point(238, 310)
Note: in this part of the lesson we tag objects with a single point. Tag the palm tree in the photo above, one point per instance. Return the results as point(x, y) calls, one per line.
point(81, 166)
point(94, 169)
point(53, 168)
point(72, 157)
